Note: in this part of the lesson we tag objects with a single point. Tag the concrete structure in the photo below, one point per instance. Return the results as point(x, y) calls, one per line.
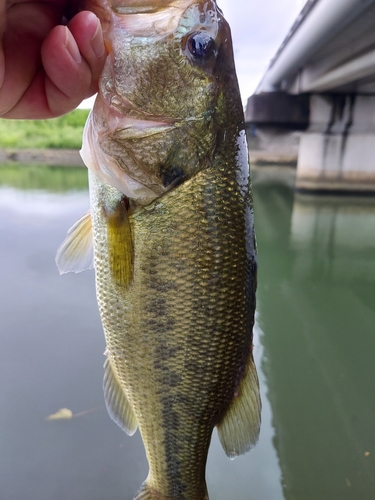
point(322, 80)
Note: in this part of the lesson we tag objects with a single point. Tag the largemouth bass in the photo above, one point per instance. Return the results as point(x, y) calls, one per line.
point(171, 223)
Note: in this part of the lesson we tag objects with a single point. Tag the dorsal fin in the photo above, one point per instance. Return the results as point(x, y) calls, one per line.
point(120, 244)
point(117, 403)
point(76, 252)
point(239, 429)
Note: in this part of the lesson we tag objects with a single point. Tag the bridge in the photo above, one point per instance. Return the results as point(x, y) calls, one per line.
point(322, 81)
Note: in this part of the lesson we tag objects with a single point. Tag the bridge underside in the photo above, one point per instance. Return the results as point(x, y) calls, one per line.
point(337, 152)
point(322, 81)
point(337, 145)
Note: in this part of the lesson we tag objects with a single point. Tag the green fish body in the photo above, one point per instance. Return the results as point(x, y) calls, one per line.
point(171, 222)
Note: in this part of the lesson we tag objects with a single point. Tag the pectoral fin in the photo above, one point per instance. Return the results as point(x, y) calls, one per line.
point(120, 244)
point(117, 403)
point(239, 429)
point(76, 252)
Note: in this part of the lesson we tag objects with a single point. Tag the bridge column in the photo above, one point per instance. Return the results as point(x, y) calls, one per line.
point(337, 152)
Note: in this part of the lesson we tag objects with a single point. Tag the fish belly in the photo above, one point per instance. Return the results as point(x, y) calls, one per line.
point(179, 336)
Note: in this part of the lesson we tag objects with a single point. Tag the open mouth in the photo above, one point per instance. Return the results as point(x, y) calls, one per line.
point(141, 6)
point(132, 129)
point(135, 10)
point(122, 109)
point(129, 7)
point(149, 17)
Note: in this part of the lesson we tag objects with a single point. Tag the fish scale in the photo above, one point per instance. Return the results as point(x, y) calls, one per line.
point(190, 314)
point(171, 221)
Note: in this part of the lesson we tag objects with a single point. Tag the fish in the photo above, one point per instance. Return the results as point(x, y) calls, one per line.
point(170, 234)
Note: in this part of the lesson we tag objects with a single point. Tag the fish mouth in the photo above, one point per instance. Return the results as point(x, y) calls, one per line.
point(129, 7)
point(132, 129)
point(134, 123)
point(129, 122)
point(135, 10)
point(148, 17)
point(124, 115)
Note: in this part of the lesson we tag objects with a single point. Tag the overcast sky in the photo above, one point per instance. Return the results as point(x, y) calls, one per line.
point(258, 29)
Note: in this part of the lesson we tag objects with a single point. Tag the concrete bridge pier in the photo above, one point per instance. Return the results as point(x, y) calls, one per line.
point(337, 152)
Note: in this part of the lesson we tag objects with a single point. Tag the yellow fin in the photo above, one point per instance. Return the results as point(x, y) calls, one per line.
point(117, 403)
point(76, 252)
point(145, 493)
point(120, 244)
point(239, 429)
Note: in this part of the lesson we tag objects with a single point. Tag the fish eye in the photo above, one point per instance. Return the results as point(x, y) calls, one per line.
point(201, 45)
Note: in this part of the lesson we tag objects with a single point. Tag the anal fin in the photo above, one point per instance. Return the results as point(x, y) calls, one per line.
point(117, 403)
point(145, 493)
point(239, 429)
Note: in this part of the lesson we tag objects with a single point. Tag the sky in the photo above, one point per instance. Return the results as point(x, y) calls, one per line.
point(258, 29)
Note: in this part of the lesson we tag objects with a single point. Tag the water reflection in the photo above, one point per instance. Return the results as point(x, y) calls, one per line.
point(317, 309)
point(51, 356)
point(315, 343)
point(340, 233)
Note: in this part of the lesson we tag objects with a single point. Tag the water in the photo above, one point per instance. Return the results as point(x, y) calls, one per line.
point(314, 344)
point(317, 311)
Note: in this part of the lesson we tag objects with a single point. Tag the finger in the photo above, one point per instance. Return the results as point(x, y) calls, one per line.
point(2, 30)
point(60, 85)
point(72, 62)
point(27, 25)
point(92, 49)
point(69, 73)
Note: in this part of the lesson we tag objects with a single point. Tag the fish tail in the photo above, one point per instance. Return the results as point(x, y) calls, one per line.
point(147, 493)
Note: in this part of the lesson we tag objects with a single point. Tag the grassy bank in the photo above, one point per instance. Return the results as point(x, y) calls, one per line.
point(64, 132)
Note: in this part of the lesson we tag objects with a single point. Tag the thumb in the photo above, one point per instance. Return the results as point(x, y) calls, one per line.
point(3, 21)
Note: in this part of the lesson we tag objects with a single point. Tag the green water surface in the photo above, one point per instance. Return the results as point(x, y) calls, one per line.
point(314, 346)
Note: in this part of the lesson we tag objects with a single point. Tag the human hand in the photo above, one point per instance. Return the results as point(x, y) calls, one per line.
point(46, 68)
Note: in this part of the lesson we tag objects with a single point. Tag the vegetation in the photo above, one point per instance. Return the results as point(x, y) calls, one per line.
point(64, 132)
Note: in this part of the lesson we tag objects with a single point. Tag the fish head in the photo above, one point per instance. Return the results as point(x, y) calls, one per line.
point(168, 92)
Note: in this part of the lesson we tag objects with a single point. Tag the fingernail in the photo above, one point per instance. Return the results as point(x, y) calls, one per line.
point(97, 42)
point(71, 47)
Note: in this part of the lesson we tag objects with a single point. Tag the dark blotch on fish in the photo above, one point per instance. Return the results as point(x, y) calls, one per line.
point(172, 175)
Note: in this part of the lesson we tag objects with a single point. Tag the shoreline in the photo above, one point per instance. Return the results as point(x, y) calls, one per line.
point(71, 158)
point(47, 157)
